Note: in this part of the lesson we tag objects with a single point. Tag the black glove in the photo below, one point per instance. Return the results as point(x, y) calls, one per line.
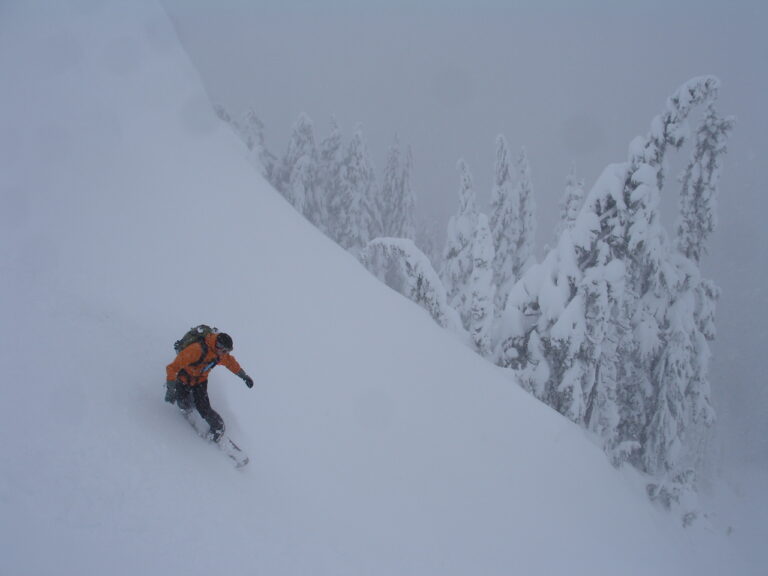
point(170, 391)
point(248, 379)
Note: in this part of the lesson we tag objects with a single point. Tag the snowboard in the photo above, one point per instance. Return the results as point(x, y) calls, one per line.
point(225, 443)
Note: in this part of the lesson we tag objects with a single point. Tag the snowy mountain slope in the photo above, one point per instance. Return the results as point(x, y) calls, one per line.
point(378, 443)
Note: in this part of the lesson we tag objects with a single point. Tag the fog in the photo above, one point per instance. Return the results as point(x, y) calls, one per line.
point(572, 82)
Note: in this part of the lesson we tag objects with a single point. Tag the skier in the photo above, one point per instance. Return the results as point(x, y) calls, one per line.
point(187, 377)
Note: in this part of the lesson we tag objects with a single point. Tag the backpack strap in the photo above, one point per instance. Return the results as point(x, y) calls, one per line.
point(204, 348)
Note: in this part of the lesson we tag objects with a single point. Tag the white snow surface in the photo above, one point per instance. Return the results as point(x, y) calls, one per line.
point(379, 443)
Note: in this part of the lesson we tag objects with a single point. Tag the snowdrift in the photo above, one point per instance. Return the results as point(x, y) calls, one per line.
point(379, 444)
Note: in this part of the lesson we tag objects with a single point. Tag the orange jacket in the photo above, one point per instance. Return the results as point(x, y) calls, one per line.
point(192, 367)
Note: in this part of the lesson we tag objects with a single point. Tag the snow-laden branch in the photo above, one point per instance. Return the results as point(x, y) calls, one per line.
point(403, 267)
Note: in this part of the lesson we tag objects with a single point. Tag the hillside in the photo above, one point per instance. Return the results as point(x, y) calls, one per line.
point(379, 444)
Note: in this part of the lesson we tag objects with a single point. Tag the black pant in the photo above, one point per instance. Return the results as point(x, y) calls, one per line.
point(198, 394)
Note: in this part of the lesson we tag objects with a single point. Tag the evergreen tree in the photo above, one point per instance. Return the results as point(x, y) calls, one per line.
point(251, 131)
point(655, 290)
point(301, 144)
point(512, 222)
point(390, 191)
point(354, 204)
point(406, 207)
point(504, 223)
point(301, 187)
point(525, 229)
point(557, 334)
point(698, 218)
point(567, 358)
point(605, 327)
point(396, 203)
point(328, 180)
point(253, 134)
point(481, 288)
point(456, 271)
point(698, 392)
point(622, 331)
point(623, 213)
point(672, 372)
point(571, 202)
point(676, 434)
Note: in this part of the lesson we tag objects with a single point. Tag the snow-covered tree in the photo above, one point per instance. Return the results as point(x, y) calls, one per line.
point(390, 189)
point(406, 206)
point(696, 223)
point(683, 406)
point(251, 131)
point(567, 353)
point(503, 223)
point(605, 326)
point(617, 323)
point(388, 200)
point(673, 371)
point(456, 270)
point(301, 144)
point(552, 333)
point(698, 216)
point(571, 202)
point(512, 221)
point(404, 268)
point(682, 410)
point(328, 180)
point(353, 204)
point(253, 134)
point(698, 392)
point(301, 186)
point(395, 201)
point(295, 175)
point(481, 288)
point(525, 234)
point(655, 281)
point(625, 208)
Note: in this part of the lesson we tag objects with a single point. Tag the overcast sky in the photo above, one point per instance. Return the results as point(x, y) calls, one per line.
point(572, 81)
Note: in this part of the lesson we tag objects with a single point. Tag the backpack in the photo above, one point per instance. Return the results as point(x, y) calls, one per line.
point(196, 334)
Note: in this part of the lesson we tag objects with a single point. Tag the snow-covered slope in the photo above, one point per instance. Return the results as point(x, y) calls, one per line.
point(378, 443)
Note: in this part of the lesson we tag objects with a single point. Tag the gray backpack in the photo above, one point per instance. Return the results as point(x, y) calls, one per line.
point(196, 334)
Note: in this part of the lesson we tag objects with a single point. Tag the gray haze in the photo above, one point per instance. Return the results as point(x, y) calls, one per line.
point(573, 82)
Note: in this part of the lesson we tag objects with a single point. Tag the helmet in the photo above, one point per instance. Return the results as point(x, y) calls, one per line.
point(224, 341)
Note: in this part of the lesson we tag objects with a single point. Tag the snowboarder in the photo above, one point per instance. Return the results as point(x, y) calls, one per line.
point(187, 377)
